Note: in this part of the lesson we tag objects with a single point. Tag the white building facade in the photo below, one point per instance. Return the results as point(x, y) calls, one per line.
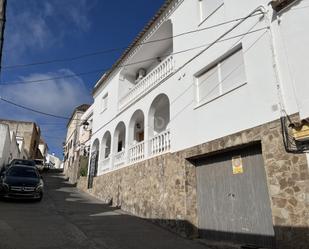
point(206, 77)
point(54, 161)
point(9, 147)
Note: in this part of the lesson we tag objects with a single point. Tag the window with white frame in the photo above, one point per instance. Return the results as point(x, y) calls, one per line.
point(207, 7)
point(104, 102)
point(224, 76)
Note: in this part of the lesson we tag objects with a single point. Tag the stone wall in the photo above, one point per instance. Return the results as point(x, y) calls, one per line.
point(163, 189)
point(287, 180)
point(152, 189)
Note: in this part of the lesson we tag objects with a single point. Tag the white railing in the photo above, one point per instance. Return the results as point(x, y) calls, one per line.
point(119, 158)
point(136, 152)
point(160, 143)
point(165, 68)
point(104, 164)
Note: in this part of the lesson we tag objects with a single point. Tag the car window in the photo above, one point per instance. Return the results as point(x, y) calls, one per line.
point(39, 162)
point(22, 172)
point(23, 162)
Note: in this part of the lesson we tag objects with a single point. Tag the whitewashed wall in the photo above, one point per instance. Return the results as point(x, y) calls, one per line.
point(5, 144)
point(292, 39)
point(252, 104)
point(14, 148)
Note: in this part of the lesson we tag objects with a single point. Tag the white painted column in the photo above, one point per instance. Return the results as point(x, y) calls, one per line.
point(146, 137)
point(127, 145)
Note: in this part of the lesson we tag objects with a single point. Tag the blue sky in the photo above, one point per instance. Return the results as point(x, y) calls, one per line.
point(39, 30)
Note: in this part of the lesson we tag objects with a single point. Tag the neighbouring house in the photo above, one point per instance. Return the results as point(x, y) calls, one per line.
point(71, 146)
point(28, 132)
point(9, 147)
point(202, 125)
point(5, 145)
point(53, 160)
point(14, 147)
point(23, 152)
point(84, 141)
point(43, 148)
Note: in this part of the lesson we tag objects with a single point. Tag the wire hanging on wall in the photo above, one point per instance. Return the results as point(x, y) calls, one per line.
point(290, 143)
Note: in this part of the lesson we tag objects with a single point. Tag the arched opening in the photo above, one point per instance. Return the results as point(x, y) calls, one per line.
point(136, 136)
point(120, 138)
point(159, 120)
point(106, 145)
point(136, 127)
point(119, 144)
point(94, 159)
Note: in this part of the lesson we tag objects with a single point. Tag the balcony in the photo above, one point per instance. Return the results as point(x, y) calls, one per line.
point(104, 164)
point(131, 142)
point(119, 159)
point(150, 81)
point(160, 143)
point(136, 152)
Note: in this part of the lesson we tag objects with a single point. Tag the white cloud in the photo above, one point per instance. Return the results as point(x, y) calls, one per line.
point(58, 96)
point(36, 25)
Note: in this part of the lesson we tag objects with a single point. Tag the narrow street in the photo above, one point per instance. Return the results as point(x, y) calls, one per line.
point(69, 219)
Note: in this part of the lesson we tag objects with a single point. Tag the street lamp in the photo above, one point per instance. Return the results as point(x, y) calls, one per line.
point(85, 125)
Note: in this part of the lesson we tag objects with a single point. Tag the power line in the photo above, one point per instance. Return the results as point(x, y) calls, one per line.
point(187, 105)
point(219, 39)
point(68, 118)
point(121, 66)
point(106, 51)
point(31, 109)
point(190, 60)
point(38, 111)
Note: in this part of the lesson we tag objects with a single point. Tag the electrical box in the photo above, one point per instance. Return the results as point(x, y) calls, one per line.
point(301, 133)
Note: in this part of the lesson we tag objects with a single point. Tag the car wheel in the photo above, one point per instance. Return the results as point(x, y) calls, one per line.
point(40, 197)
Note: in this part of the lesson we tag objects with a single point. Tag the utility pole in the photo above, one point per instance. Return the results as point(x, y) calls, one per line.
point(2, 25)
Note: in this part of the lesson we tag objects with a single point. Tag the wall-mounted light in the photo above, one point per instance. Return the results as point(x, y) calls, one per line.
point(85, 125)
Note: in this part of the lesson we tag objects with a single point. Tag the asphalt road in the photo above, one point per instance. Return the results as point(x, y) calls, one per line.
point(69, 219)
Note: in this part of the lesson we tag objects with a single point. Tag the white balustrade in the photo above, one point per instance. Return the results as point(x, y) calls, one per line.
point(154, 77)
point(104, 164)
point(119, 158)
point(160, 143)
point(136, 152)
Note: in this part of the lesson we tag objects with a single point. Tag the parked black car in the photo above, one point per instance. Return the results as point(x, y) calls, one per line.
point(39, 163)
point(18, 162)
point(21, 162)
point(21, 182)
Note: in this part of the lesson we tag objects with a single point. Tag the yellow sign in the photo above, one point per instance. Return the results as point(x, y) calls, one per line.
point(237, 165)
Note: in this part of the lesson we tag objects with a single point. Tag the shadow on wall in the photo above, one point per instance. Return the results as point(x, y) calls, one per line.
point(124, 225)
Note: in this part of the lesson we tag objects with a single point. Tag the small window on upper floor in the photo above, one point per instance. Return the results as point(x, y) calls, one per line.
point(221, 78)
point(104, 102)
point(207, 7)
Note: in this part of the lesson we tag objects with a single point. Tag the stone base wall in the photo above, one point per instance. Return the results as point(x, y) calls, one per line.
point(152, 189)
point(163, 188)
point(72, 172)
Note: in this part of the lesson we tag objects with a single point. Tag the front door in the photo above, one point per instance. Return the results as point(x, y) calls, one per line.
point(233, 200)
point(93, 168)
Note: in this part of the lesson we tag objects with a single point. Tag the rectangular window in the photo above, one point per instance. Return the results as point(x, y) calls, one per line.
point(104, 102)
point(226, 75)
point(207, 7)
